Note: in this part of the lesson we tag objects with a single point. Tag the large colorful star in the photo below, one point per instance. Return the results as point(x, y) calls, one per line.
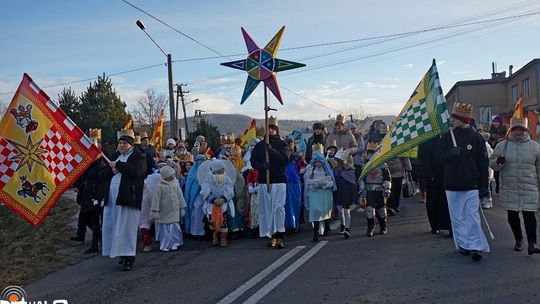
point(261, 65)
point(28, 154)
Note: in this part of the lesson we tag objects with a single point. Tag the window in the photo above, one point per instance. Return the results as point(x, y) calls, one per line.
point(526, 88)
point(485, 115)
point(515, 94)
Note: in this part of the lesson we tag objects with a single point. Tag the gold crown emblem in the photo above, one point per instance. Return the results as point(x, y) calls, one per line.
point(184, 157)
point(463, 109)
point(317, 148)
point(21, 111)
point(273, 121)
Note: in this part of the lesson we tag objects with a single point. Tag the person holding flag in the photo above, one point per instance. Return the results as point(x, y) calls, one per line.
point(462, 151)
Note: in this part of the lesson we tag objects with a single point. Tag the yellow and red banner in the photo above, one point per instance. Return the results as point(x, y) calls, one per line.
point(518, 113)
point(157, 137)
point(249, 134)
point(42, 153)
point(129, 123)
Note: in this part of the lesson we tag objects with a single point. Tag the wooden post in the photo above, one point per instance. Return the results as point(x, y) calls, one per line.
point(266, 137)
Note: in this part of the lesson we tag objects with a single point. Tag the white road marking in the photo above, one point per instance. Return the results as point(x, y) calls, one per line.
point(235, 294)
point(256, 297)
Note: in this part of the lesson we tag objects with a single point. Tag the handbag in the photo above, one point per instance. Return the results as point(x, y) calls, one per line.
point(410, 187)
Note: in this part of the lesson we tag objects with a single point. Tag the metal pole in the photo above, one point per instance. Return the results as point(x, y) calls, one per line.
point(185, 116)
point(174, 130)
point(266, 137)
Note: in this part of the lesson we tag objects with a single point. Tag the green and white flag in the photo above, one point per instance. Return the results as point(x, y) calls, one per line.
point(424, 116)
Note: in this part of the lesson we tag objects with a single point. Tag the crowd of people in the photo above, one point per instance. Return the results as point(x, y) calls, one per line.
point(269, 188)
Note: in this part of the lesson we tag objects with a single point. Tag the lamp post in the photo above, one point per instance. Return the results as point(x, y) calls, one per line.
point(174, 129)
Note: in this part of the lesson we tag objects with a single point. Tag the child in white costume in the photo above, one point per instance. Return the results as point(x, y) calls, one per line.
point(168, 206)
point(217, 191)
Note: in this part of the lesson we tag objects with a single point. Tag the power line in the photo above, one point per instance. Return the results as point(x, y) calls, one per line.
point(173, 28)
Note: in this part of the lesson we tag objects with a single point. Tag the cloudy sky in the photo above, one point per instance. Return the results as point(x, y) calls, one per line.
point(348, 67)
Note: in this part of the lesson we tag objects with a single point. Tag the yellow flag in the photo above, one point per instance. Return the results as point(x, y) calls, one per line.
point(42, 152)
point(129, 123)
point(157, 136)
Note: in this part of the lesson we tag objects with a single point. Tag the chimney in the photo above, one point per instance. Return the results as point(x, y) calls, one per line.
point(510, 70)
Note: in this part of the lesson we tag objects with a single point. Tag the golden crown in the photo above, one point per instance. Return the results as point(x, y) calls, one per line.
point(222, 139)
point(372, 146)
point(125, 132)
point(144, 135)
point(519, 122)
point(184, 157)
point(273, 121)
point(317, 148)
point(137, 139)
point(463, 109)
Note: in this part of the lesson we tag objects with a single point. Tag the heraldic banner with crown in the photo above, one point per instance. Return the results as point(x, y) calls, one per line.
point(42, 153)
point(424, 116)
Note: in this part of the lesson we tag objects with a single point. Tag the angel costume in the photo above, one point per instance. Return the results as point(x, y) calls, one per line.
point(217, 191)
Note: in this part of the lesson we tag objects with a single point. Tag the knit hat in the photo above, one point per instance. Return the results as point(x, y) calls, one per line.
point(463, 112)
point(499, 118)
point(519, 122)
point(318, 125)
point(171, 141)
point(166, 172)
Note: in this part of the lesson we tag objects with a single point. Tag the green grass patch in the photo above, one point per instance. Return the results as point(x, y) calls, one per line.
point(28, 252)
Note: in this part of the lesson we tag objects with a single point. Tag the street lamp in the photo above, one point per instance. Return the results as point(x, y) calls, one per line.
point(174, 129)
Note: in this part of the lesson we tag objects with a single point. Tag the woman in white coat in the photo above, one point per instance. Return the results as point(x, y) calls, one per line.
point(518, 161)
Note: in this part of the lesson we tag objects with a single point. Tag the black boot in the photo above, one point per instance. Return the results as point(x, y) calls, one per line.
point(532, 248)
point(341, 229)
point(518, 245)
point(128, 263)
point(326, 228)
point(347, 233)
point(316, 226)
point(370, 226)
point(92, 249)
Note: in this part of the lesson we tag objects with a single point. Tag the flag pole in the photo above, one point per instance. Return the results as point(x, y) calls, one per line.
point(266, 137)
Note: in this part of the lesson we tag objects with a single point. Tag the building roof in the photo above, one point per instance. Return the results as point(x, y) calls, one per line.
point(496, 80)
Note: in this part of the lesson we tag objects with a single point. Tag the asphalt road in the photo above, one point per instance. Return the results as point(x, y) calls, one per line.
point(409, 265)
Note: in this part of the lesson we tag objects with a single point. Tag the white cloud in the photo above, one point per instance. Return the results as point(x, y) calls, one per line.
point(372, 85)
point(408, 65)
point(441, 62)
point(461, 72)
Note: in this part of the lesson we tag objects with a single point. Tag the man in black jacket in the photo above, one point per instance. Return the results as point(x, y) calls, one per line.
point(123, 197)
point(463, 153)
point(272, 198)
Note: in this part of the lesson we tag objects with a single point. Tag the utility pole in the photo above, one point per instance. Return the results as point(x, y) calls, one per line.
point(180, 96)
point(174, 129)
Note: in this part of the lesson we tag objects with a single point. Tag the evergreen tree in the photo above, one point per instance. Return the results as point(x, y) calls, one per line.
point(102, 108)
point(208, 130)
point(70, 104)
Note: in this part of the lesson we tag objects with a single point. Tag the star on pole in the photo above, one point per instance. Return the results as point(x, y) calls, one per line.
point(262, 65)
point(28, 154)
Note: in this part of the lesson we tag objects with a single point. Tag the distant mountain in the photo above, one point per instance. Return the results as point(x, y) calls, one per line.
point(237, 123)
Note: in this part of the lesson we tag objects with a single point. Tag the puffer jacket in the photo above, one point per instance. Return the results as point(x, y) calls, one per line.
point(519, 175)
point(344, 139)
point(398, 166)
point(168, 201)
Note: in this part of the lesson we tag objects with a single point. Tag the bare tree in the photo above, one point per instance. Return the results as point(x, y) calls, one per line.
point(149, 107)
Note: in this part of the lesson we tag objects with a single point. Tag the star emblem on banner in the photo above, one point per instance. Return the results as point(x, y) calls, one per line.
point(29, 154)
point(262, 65)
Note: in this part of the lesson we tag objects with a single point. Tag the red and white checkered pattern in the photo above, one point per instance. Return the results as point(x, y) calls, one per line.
point(61, 158)
point(7, 166)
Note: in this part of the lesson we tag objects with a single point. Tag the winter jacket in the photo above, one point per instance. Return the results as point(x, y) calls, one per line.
point(465, 168)
point(168, 201)
point(398, 166)
point(344, 139)
point(132, 183)
point(90, 185)
point(358, 156)
point(279, 155)
point(519, 175)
